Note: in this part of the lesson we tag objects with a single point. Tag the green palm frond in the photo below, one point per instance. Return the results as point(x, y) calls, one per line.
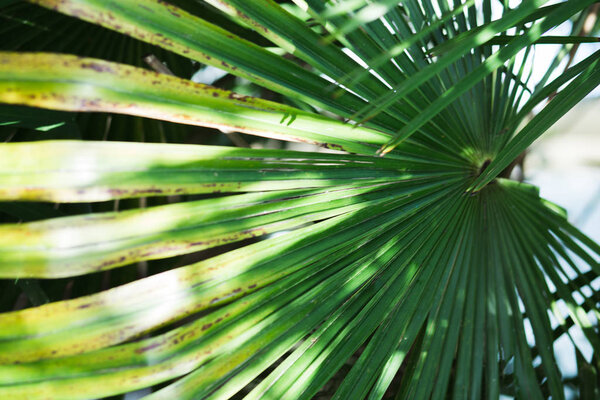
point(400, 262)
point(26, 27)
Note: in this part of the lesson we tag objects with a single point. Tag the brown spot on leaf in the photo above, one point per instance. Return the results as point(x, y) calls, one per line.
point(96, 67)
point(146, 348)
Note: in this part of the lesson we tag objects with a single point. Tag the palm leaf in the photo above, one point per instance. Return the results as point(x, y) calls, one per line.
point(27, 27)
point(339, 274)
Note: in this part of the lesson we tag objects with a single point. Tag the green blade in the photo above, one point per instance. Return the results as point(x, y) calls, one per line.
point(72, 171)
point(563, 102)
point(69, 83)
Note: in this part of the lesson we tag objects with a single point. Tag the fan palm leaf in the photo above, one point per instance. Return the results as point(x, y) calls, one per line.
point(402, 262)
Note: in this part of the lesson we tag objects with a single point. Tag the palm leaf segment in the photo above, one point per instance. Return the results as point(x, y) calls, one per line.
point(426, 261)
